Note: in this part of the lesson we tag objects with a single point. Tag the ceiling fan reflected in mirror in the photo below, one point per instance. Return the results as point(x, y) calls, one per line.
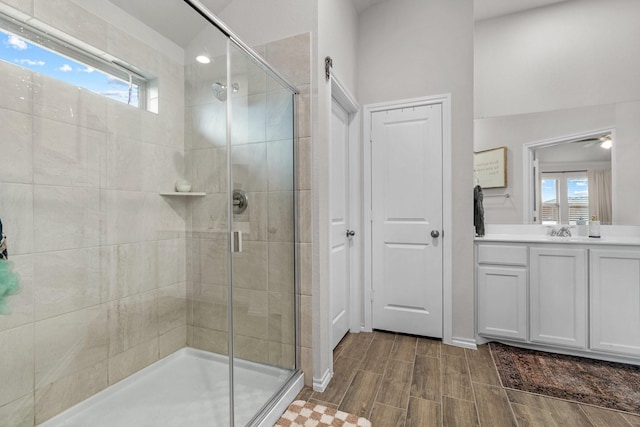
point(604, 141)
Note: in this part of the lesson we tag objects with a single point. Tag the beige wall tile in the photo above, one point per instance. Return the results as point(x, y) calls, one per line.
point(92, 110)
point(281, 317)
point(18, 413)
point(303, 166)
point(16, 89)
point(210, 340)
point(55, 99)
point(305, 216)
point(213, 261)
point(53, 398)
point(281, 267)
point(124, 120)
point(208, 122)
point(250, 313)
point(134, 217)
point(16, 144)
point(254, 221)
point(66, 281)
point(281, 216)
point(131, 50)
point(209, 307)
point(248, 117)
point(210, 212)
point(251, 348)
point(172, 307)
point(250, 266)
point(68, 343)
point(125, 163)
point(133, 360)
point(132, 321)
point(73, 20)
point(20, 305)
point(16, 369)
point(306, 362)
point(207, 169)
point(171, 261)
point(306, 324)
point(17, 222)
point(280, 165)
point(136, 269)
point(249, 167)
point(304, 112)
point(292, 58)
point(279, 113)
point(305, 266)
point(66, 218)
point(172, 341)
point(282, 355)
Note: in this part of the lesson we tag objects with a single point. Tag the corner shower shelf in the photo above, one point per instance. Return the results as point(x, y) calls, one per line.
point(183, 194)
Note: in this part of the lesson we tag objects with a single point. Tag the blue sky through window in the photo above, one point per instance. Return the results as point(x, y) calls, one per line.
point(549, 192)
point(18, 51)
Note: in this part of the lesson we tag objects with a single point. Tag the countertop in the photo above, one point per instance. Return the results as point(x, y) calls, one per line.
point(573, 240)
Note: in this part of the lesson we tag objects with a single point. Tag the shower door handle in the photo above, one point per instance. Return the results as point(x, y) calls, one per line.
point(236, 241)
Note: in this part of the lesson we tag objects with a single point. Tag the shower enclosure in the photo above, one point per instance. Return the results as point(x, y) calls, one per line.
point(146, 300)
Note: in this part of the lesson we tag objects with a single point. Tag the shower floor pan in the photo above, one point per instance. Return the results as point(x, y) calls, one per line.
point(187, 388)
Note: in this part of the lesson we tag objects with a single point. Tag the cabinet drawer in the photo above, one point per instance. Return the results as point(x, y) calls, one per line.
point(502, 254)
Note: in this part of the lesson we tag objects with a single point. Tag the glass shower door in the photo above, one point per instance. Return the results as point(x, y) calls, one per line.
point(261, 186)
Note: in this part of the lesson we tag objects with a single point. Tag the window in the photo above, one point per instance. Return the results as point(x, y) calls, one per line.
point(564, 197)
point(31, 48)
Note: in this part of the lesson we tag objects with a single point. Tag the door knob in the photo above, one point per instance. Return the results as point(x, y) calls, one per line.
point(351, 233)
point(435, 234)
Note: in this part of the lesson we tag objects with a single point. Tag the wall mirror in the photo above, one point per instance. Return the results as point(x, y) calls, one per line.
point(547, 78)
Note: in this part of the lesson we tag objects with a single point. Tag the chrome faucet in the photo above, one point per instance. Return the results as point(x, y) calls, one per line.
point(563, 231)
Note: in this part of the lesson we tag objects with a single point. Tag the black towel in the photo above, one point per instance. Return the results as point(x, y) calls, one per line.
point(3, 244)
point(478, 210)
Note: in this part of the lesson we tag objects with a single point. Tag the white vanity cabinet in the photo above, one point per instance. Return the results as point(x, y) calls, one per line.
point(615, 301)
point(558, 295)
point(502, 291)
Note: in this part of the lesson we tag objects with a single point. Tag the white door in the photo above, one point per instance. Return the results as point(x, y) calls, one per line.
point(406, 238)
point(339, 208)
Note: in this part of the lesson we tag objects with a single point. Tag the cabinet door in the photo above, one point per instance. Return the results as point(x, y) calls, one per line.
point(502, 302)
point(558, 292)
point(615, 301)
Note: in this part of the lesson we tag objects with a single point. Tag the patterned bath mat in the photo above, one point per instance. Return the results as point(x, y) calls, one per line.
point(306, 414)
point(595, 382)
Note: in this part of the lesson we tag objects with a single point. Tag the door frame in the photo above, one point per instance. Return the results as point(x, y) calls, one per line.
point(349, 104)
point(447, 255)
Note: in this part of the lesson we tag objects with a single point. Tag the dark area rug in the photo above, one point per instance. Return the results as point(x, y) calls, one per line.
point(595, 382)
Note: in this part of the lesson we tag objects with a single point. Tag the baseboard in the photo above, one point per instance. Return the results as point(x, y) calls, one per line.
point(464, 342)
point(322, 383)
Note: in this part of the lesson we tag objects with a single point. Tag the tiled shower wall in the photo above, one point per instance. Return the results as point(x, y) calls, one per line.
point(261, 165)
point(103, 276)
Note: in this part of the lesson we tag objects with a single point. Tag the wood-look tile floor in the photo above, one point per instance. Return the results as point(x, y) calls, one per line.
point(398, 380)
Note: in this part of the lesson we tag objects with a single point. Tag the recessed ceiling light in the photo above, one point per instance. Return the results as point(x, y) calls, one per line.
point(203, 59)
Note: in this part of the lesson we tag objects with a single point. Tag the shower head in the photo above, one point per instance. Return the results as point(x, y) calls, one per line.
point(220, 90)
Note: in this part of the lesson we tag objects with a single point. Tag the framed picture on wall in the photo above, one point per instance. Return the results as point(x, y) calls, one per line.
point(490, 167)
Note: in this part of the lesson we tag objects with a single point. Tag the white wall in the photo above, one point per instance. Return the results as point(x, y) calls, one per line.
point(550, 72)
point(571, 54)
point(260, 22)
point(412, 48)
